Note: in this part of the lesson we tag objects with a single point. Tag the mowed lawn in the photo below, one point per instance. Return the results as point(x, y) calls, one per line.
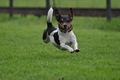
point(24, 56)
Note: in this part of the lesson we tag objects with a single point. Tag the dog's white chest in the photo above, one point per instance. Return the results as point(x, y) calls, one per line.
point(66, 38)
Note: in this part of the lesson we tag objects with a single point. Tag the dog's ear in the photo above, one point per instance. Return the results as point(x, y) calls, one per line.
point(70, 13)
point(57, 14)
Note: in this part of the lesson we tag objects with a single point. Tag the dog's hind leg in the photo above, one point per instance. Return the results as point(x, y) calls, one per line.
point(45, 36)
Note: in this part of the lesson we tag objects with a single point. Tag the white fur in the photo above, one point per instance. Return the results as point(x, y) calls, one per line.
point(49, 15)
point(66, 39)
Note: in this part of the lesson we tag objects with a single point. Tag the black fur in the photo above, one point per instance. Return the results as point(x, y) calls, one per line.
point(50, 28)
point(56, 38)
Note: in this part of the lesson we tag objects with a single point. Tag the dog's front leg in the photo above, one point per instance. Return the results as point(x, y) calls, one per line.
point(75, 44)
point(64, 46)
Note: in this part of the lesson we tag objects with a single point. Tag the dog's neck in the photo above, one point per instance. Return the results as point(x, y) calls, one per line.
point(63, 32)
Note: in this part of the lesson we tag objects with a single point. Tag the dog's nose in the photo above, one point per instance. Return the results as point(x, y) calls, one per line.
point(65, 25)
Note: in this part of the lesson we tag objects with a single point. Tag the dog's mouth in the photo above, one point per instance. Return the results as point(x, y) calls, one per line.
point(65, 29)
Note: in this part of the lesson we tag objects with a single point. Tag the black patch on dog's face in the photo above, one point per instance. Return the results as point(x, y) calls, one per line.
point(58, 15)
point(66, 19)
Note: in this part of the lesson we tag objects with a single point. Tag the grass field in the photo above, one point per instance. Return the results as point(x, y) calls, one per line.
point(24, 56)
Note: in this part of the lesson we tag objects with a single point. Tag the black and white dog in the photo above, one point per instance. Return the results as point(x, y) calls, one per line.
point(63, 36)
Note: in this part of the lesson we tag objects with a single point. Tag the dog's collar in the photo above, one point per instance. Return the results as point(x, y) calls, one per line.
point(69, 29)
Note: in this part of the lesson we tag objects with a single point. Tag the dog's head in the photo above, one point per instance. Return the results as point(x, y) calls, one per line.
point(64, 22)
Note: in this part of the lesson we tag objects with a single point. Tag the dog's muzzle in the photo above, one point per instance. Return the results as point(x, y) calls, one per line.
point(65, 29)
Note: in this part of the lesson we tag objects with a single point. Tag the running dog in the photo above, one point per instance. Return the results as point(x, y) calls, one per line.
point(62, 36)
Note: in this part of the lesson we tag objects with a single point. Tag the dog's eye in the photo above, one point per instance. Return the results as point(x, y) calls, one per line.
point(68, 21)
point(61, 20)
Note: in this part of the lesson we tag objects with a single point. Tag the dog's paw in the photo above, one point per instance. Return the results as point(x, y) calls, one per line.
point(77, 50)
point(71, 51)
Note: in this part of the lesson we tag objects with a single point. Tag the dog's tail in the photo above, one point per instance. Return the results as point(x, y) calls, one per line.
point(49, 15)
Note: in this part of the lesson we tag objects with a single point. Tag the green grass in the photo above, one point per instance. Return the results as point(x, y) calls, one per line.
point(24, 56)
point(62, 3)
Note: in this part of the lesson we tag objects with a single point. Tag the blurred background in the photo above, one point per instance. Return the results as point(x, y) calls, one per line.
point(62, 3)
point(99, 8)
